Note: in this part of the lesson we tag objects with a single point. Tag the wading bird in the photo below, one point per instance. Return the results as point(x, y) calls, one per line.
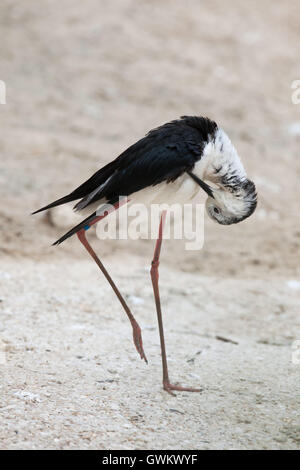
point(168, 165)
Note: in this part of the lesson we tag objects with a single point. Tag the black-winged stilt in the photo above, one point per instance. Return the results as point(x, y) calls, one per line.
point(168, 165)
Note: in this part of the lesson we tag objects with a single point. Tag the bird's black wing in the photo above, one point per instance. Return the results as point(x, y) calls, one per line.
point(163, 155)
point(85, 188)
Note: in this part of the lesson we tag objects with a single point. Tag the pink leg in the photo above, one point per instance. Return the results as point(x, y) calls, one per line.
point(137, 334)
point(155, 276)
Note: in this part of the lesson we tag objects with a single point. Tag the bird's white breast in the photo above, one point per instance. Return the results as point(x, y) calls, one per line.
point(182, 190)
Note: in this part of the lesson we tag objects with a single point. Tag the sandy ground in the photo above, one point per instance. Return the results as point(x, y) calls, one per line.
point(84, 80)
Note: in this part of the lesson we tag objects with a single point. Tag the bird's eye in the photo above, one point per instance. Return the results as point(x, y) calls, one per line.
point(216, 210)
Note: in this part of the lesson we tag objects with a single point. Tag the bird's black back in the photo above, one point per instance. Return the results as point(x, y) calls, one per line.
point(164, 154)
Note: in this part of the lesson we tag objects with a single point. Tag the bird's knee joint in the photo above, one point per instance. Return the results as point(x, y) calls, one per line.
point(154, 265)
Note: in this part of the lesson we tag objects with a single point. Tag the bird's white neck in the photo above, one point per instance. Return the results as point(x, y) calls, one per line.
point(220, 162)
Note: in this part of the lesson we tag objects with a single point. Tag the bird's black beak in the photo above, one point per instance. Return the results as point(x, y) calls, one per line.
point(201, 183)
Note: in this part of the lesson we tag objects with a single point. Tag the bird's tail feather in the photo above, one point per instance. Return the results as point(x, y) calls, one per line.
point(58, 202)
point(76, 229)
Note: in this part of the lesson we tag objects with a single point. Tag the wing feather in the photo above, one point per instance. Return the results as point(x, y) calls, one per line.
point(164, 154)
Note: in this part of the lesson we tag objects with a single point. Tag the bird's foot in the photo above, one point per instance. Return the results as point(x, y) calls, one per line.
point(170, 387)
point(137, 339)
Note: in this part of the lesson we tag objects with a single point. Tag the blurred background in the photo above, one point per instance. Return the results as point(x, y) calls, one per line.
point(84, 80)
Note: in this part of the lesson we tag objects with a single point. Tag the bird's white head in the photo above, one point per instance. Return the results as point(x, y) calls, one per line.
point(232, 204)
point(233, 197)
